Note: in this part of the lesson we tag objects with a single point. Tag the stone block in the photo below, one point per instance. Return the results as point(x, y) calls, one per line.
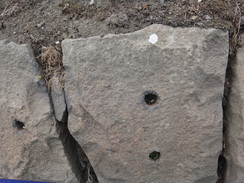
point(147, 106)
point(29, 147)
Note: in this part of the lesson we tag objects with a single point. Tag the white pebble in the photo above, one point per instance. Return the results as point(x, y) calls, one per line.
point(153, 39)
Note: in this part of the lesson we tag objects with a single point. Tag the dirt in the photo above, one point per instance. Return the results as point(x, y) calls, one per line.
point(48, 22)
point(45, 23)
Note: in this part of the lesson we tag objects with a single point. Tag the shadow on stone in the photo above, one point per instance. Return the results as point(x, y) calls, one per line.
point(77, 158)
point(221, 168)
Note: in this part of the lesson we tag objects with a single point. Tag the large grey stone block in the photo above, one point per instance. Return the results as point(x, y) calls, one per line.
point(29, 145)
point(107, 81)
point(234, 122)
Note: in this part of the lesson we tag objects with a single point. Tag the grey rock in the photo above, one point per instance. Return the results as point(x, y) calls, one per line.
point(107, 82)
point(29, 146)
point(234, 122)
point(97, 2)
point(207, 17)
point(40, 24)
point(58, 99)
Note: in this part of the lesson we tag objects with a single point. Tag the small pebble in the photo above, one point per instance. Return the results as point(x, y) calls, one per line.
point(153, 38)
point(207, 17)
point(91, 2)
point(40, 24)
point(193, 17)
point(200, 24)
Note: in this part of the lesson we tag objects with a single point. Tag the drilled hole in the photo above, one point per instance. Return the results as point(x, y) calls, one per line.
point(155, 155)
point(19, 124)
point(150, 98)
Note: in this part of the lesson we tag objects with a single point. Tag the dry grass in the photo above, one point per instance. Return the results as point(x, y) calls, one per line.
point(52, 66)
point(234, 39)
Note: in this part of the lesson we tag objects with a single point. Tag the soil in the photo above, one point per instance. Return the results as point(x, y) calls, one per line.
point(48, 22)
point(45, 23)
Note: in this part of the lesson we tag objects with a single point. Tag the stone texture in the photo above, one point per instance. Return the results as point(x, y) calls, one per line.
point(107, 79)
point(29, 146)
point(234, 133)
point(58, 99)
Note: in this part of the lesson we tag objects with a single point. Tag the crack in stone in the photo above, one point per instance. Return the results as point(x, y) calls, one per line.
point(222, 163)
point(77, 158)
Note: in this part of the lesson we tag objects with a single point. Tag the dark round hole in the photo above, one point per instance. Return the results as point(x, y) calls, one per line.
point(154, 155)
point(19, 124)
point(151, 98)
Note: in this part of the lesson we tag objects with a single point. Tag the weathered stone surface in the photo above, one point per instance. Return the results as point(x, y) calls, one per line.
point(107, 79)
point(29, 146)
point(234, 122)
point(58, 99)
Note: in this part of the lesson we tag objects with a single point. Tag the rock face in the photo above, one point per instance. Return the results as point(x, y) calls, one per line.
point(234, 122)
point(58, 100)
point(29, 146)
point(147, 106)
